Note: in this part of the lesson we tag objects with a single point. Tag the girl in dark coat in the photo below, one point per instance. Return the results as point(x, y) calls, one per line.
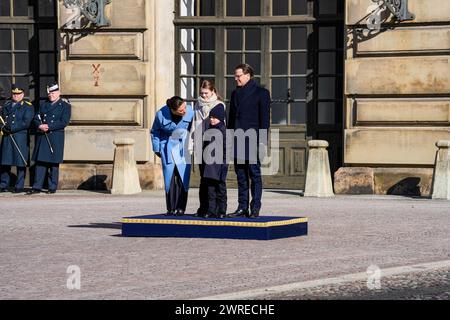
point(208, 99)
point(215, 168)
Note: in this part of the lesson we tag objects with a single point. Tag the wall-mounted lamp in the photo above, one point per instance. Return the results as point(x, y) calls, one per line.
point(93, 10)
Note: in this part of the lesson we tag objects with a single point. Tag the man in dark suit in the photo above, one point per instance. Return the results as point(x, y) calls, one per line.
point(249, 111)
point(16, 115)
point(51, 119)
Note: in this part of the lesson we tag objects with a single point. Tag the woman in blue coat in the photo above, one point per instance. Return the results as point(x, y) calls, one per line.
point(170, 133)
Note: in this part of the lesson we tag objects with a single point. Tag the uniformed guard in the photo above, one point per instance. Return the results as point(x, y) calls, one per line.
point(16, 116)
point(51, 119)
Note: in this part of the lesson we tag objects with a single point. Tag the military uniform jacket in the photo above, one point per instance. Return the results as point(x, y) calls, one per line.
point(19, 118)
point(57, 116)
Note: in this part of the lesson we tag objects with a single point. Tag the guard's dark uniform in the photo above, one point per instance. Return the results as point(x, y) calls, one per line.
point(18, 117)
point(249, 109)
point(57, 116)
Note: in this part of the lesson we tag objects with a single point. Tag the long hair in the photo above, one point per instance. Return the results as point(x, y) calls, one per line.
point(209, 84)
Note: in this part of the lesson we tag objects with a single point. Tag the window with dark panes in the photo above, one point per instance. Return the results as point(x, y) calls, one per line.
point(296, 50)
point(28, 46)
point(289, 71)
point(329, 72)
point(327, 113)
point(197, 59)
point(288, 58)
point(289, 7)
point(14, 8)
point(14, 57)
point(192, 8)
point(328, 7)
point(47, 59)
point(239, 8)
point(242, 45)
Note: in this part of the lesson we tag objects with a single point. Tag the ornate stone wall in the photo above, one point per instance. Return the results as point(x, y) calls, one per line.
point(116, 77)
point(397, 88)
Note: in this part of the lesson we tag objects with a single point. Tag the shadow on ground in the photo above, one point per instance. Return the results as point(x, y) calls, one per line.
point(114, 225)
point(287, 192)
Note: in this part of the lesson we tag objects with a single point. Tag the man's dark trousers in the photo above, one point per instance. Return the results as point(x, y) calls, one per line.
point(41, 171)
point(249, 177)
point(5, 177)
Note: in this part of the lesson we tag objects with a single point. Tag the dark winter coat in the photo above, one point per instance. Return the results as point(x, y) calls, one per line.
point(57, 116)
point(215, 171)
point(18, 118)
point(249, 109)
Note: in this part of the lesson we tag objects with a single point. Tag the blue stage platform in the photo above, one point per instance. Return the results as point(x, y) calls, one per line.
point(189, 226)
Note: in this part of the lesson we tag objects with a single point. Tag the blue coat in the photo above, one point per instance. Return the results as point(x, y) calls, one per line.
point(57, 116)
point(171, 140)
point(249, 109)
point(19, 119)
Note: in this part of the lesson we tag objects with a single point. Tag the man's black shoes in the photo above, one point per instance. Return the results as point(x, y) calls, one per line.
point(33, 191)
point(178, 212)
point(170, 213)
point(215, 215)
point(18, 190)
point(2, 190)
point(200, 213)
point(239, 213)
point(221, 215)
point(51, 191)
point(254, 214)
point(208, 215)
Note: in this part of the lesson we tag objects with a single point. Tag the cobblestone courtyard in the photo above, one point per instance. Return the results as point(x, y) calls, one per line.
point(41, 236)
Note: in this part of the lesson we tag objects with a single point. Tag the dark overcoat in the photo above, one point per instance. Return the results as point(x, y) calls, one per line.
point(249, 109)
point(19, 119)
point(57, 116)
point(216, 171)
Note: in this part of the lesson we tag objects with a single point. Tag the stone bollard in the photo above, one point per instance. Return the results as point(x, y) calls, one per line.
point(318, 175)
point(441, 175)
point(125, 174)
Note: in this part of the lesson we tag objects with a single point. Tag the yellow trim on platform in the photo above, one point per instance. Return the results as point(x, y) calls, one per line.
point(217, 223)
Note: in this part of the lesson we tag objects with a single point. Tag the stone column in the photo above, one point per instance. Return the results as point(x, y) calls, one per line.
point(125, 174)
point(441, 176)
point(318, 175)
